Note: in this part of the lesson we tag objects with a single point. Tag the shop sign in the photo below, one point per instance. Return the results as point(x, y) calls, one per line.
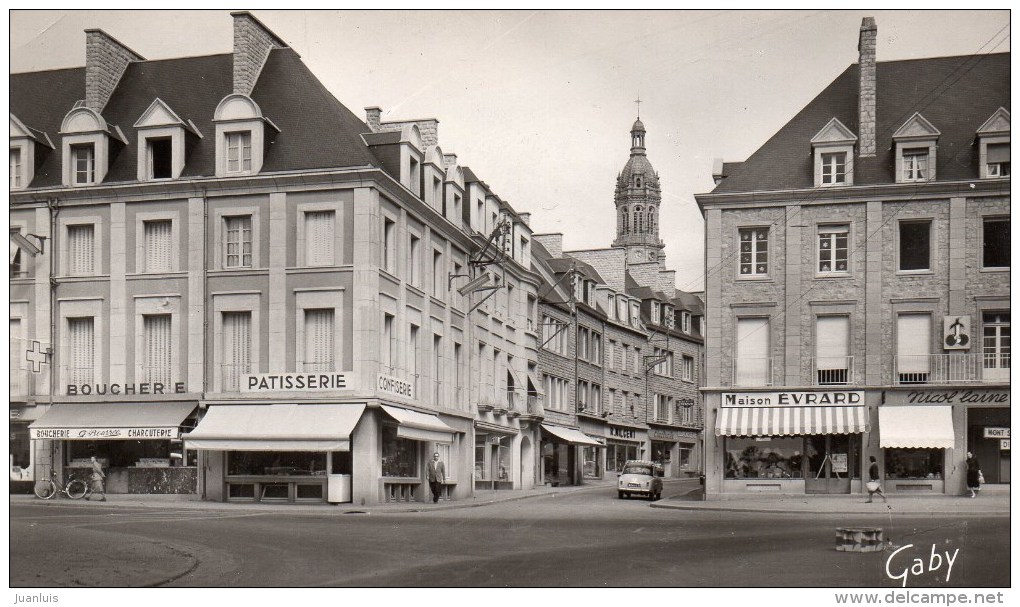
point(127, 389)
point(137, 433)
point(839, 462)
point(792, 399)
point(956, 332)
point(1004, 444)
point(395, 386)
point(619, 432)
point(947, 397)
point(686, 401)
point(293, 382)
point(997, 433)
point(663, 435)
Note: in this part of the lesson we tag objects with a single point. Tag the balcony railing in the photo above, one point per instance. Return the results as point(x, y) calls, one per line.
point(156, 374)
point(950, 368)
point(535, 404)
point(833, 371)
point(514, 400)
point(231, 374)
point(752, 372)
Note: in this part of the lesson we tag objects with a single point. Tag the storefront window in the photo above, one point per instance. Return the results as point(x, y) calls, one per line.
point(276, 463)
point(501, 458)
point(661, 452)
point(557, 462)
point(481, 470)
point(913, 463)
point(617, 455)
point(120, 453)
point(764, 457)
point(21, 462)
point(685, 457)
point(400, 455)
point(591, 463)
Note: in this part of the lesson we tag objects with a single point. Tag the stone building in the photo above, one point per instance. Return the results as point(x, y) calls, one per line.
point(216, 293)
point(858, 285)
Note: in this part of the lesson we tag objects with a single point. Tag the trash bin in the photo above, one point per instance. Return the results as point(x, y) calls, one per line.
point(338, 488)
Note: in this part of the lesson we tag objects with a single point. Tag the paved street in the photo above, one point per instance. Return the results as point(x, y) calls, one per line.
point(573, 538)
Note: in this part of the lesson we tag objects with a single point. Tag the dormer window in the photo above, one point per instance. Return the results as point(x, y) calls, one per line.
point(834, 168)
point(26, 146)
point(240, 136)
point(162, 135)
point(915, 143)
point(239, 152)
point(993, 145)
point(833, 148)
point(83, 157)
point(17, 176)
point(159, 153)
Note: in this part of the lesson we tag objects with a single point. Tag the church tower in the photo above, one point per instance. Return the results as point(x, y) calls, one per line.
point(637, 200)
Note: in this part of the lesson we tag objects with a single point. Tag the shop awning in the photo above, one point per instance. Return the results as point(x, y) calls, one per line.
point(571, 436)
point(286, 427)
point(419, 426)
point(790, 421)
point(916, 427)
point(112, 421)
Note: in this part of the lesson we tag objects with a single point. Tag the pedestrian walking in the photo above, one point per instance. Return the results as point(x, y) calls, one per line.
point(974, 476)
point(435, 473)
point(98, 477)
point(874, 485)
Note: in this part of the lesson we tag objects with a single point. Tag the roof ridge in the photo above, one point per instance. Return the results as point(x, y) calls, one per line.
point(969, 55)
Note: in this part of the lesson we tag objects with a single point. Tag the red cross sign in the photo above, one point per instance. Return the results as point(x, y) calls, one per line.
point(37, 356)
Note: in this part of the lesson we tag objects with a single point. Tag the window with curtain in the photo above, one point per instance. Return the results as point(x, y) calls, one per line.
point(754, 251)
point(995, 346)
point(318, 355)
point(238, 252)
point(833, 249)
point(997, 160)
point(832, 350)
point(236, 348)
point(81, 248)
point(238, 152)
point(83, 157)
point(158, 348)
point(158, 246)
point(913, 348)
point(16, 179)
point(82, 345)
point(319, 238)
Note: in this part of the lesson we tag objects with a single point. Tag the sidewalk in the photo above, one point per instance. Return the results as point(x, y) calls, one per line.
point(992, 501)
point(195, 502)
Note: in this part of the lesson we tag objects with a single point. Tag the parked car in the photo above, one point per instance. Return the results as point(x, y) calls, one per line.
point(640, 477)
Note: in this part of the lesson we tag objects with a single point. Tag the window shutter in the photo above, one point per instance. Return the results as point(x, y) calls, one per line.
point(319, 339)
point(82, 341)
point(158, 347)
point(832, 341)
point(998, 152)
point(157, 246)
point(237, 340)
point(913, 342)
point(319, 226)
point(752, 351)
point(81, 249)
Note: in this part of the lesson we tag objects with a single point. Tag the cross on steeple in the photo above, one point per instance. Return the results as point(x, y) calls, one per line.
point(638, 102)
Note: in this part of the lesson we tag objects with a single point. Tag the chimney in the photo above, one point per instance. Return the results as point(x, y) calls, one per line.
point(105, 62)
point(373, 116)
point(449, 160)
point(525, 218)
point(866, 89)
point(552, 243)
point(717, 170)
point(252, 43)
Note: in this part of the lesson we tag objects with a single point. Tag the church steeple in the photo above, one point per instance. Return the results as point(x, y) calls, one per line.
point(637, 200)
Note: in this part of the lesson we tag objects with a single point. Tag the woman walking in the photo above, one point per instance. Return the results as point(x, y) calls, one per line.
point(874, 486)
point(97, 480)
point(973, 475)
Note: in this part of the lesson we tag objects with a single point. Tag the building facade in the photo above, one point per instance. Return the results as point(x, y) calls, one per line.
point(858, 286)
point(216, 294)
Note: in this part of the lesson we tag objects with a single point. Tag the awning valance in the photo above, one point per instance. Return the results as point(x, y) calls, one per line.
point(112, 421)
point(916, 427)
point(790, 421)
point(571, 436)
point(419, 426)
point(286, 427)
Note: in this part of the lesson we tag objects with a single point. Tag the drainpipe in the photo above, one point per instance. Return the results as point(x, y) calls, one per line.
point(52, 204)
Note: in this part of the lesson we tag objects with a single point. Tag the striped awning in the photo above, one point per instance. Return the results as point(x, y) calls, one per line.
point(789, 421)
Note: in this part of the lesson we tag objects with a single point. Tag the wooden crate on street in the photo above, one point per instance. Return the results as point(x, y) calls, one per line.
point(859, 539)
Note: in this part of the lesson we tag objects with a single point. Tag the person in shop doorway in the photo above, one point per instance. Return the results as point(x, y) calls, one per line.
point(973, 475)
point(435, 472)
point(98, 478)
point(874, 485)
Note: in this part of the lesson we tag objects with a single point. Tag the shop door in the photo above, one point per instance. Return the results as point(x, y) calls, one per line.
point(829, 464)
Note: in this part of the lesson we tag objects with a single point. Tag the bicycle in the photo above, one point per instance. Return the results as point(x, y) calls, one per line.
point(75, 488)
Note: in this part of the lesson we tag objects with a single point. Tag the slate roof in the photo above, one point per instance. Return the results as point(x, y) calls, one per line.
point(956, 94)
point(316, 130)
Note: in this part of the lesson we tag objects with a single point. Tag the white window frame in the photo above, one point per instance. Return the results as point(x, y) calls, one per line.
point(414, 271)
point(65, 223)
point(141, 254)
point(754, 241)
point(17, 164)
point(899, 245)
point(89, 148)
point(82, 308)
point(984, 223)
point(238, 140)
point(302, 212)
point(830, 234)
point(687, 368)
point(159, 305)
point(236, 302)
point(829, 162)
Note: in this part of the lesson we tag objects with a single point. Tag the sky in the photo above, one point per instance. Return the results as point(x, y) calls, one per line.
point(540, 103)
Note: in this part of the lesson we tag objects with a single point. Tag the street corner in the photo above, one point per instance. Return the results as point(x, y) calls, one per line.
point(87, 558)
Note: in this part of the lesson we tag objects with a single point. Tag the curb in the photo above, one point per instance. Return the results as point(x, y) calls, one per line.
point(888, 511)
